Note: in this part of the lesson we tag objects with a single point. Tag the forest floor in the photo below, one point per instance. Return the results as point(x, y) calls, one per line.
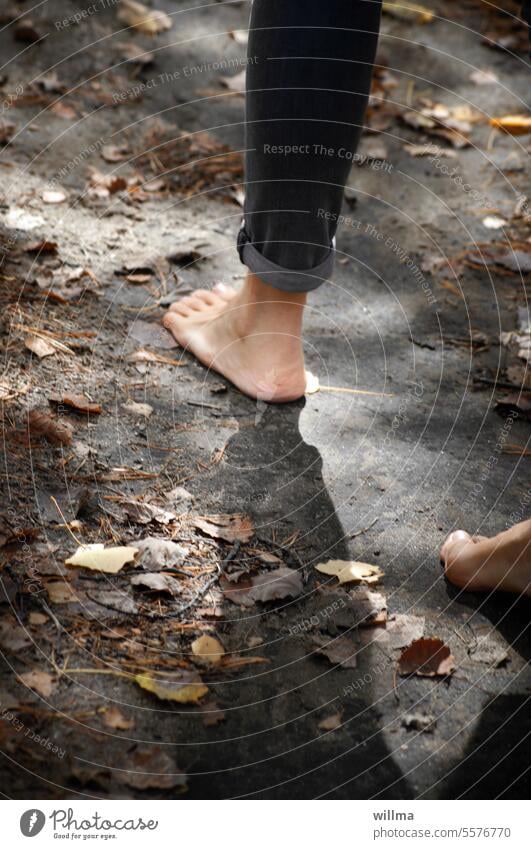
point(121, 190)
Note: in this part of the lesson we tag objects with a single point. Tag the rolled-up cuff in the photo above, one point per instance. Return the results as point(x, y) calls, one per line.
point(287, 279)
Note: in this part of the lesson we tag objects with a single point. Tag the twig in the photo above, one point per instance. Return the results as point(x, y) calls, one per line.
point(363, 530)
point(204, 589)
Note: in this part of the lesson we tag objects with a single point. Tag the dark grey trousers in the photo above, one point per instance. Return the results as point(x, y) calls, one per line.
point(308, 79)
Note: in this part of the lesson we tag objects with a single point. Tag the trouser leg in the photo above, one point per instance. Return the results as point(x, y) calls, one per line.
point(308, 80)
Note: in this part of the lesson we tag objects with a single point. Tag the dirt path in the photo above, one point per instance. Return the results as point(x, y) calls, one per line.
point(121, 188)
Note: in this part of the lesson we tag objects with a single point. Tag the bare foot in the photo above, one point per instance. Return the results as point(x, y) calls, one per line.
point(480, 564)
point(252, 337)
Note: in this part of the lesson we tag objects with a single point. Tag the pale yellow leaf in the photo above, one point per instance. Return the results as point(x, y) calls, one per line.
point(183, 688)
point(207, 650)
point(138, 16)
point(101, 559)
point(347, 571)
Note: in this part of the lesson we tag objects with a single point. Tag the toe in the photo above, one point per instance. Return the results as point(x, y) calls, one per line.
point(178, 308)
point(453, 542)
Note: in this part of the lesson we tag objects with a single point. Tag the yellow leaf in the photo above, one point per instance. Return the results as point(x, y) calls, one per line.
point(408, 11)
point(351, 570)
point(138, 16)
point(184, 688)
point(101, 559)
point(208, 650)
point(515, 125)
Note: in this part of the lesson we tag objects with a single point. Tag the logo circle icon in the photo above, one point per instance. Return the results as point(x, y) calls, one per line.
point(32, 822)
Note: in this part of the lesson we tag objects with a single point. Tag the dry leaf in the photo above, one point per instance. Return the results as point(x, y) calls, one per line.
point(115, 719)
point(351, 570)
point(278, 584)
point(228, 527)
point(207, 650)
point(137, 409)
point(158, 582)
point(330, 723)
point(55, 431)
point(41, 682)
point(427, 657)
point(340, 651)
point(157, 553)
point(60, 592)
point(114, 152)
point(515, 125)
point(406, 11)
point(77, 402)
point(483, 77)
point(39, 346)
point(183, 687)
point(235, 83)
point(138, 16)
point(146, 768)
point(53, 196)
point(96, 556)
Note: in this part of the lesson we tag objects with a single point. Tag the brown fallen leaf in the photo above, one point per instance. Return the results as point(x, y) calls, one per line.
point(231, 528)
point(42, 682)
point(146, 768)
point(77, 402)
point(60, 592)
point(275, 585)
point(515, 125)
point(212, 715)
point(13, 636)
point(149, 21)
point(135, 53)
point(400, 630)
point(426, 657)
point(36, 618)
point(207, 651)
point(42, 246)
point(55, 431)
point(347, 571)
point(95, 556)
point(340, 651)
point(115, 719)
point(183, 687)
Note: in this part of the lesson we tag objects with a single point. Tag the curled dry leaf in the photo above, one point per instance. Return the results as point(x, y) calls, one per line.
point(427, 657)
point(78, 402)
point(515, 125)
point(96, 556)
point(149, 21)
point(207, 651)
point(347, 571)
point(231, 528)
point(55, 431)
point(183, 687)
